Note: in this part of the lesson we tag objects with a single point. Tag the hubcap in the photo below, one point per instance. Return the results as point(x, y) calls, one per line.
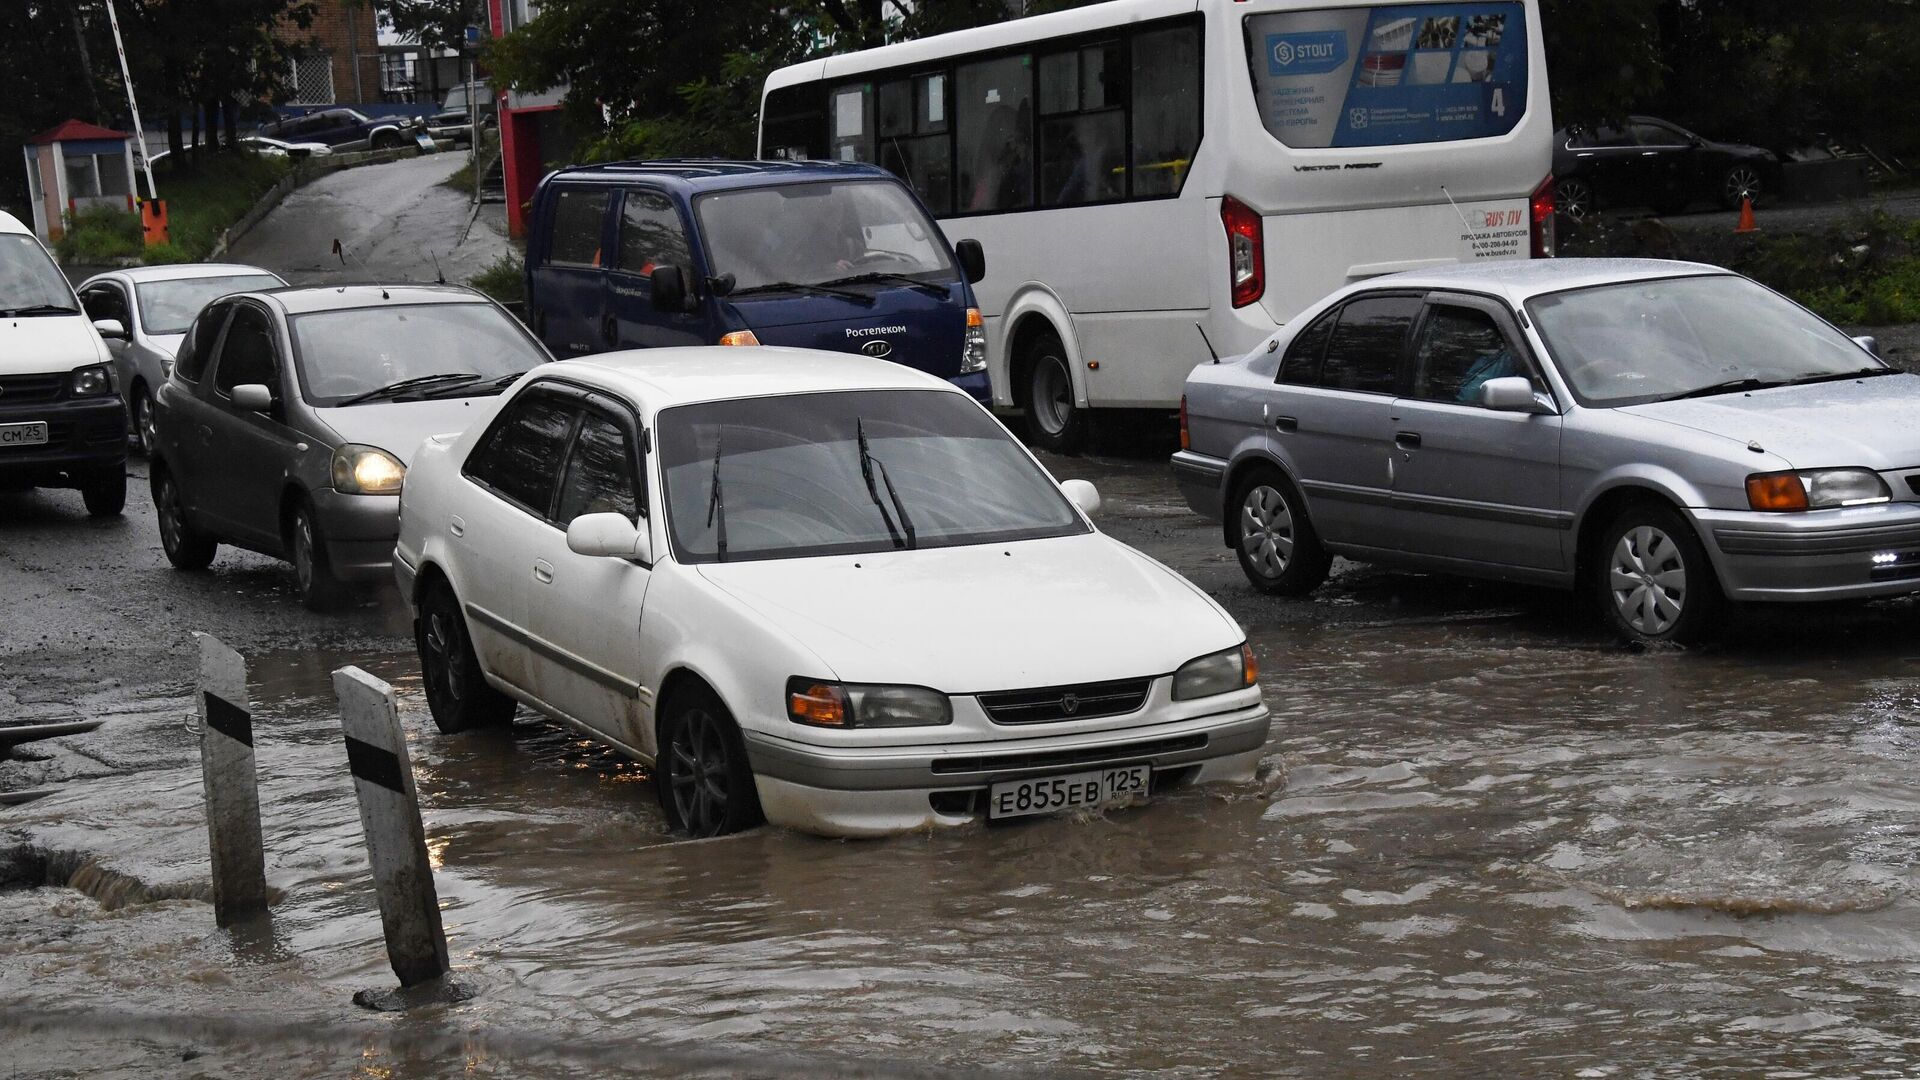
point(303, 550)
point(143, 422)
point(443, 645)
point(1743, 184)
point(168, 514)
point(698, 773)
point(1052, 394)
point(1266, 531)
point(1648, 580)
point(1574, 198)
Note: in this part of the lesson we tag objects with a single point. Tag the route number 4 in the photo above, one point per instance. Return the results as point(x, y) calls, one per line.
point(1498, 106)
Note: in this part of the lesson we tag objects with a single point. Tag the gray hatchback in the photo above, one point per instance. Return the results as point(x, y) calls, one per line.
point(288, 419)
point(1668, 435)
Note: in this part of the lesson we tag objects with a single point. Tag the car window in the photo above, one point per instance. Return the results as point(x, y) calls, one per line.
point(1460, 349)
point(105, 302)
point(520, 457)
point(201, 338)
point(1657, 135)
point(1602, 137)
point(1301, 366)
point(247, 355)
point(1365, 349)
point(168, 306)
point(599, 476)
point(651, 234)
point(577, 217)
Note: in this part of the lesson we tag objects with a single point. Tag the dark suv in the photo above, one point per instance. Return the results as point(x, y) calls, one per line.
point(1652, 162)
point(346, 129)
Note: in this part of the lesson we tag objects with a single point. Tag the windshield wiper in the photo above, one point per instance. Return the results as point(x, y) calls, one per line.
point(469, 388)
point(716, 506)
point(867, 464)
point(396, 389)
point(794, 286)
point(1728, 387)
point(928, 287)
point(39, 309)
point(1837, 376)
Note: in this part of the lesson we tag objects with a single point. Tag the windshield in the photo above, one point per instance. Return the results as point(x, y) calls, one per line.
point(353, 351)
point(813, 233)
point(793, 481)
point(168, 307)
point(1645, 340)
point(29, 282)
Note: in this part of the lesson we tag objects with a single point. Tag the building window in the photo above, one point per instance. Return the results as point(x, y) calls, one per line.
point(83, 182)
point(112, 170)
point(313, 79)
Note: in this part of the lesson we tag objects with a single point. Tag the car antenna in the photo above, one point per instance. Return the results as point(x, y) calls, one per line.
point(438, 277)
point(1456, 208)
point(1209, 343)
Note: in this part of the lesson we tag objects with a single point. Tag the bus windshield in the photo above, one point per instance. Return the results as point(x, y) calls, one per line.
point(820, 233)
point(1389, 75)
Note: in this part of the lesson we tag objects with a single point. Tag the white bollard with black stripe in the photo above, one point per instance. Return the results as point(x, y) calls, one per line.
point(231, 785)
point(390, 814)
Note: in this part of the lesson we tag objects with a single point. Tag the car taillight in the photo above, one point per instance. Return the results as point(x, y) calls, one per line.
point(1542, 206)
point(1186, 438)
point(1246, 253)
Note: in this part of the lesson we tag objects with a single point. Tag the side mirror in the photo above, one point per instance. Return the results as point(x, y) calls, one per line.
point(1871, 344)
point(111, 329)
point(1082, 494)
point(1511, 394)
point(252, 397)
point(973, 260)
point(609, 536)
point(669, 288)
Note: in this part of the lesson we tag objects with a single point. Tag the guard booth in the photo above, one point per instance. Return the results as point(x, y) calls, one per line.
point(76, 166)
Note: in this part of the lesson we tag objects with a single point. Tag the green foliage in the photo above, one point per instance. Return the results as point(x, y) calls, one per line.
point(98, 236)
point(505, 280)
point(440, 23)
point(206, 193)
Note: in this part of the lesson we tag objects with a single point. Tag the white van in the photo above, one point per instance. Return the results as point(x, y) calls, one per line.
point(61, 421)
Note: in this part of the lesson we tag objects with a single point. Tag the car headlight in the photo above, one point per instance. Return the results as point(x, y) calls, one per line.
point(366, 470)
point(973, 353)
point(92, 381)
point(1816, 489)
point(1219, 673)
point(818, 703)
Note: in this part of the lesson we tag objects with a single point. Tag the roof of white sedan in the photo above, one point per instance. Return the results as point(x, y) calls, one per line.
point(1519, 279)
point(676, 376)
point(301, 299)
point(11, 224)
point(179, 271)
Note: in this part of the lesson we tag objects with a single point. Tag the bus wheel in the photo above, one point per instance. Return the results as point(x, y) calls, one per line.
point(1054, 422)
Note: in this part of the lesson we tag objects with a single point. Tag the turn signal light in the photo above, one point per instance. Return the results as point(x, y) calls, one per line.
point(818, 703)
point(739, 337)
point(1541, 206)
point(1186, 438)
point(1776, 491)
point(1249, 667)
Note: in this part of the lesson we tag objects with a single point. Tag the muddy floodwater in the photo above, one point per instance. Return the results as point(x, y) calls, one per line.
point(1488, 841)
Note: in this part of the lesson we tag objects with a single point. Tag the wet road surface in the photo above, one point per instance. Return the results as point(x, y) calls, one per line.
point(1488, 841)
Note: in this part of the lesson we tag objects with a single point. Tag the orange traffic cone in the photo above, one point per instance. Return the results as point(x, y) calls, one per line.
point(1746, 218)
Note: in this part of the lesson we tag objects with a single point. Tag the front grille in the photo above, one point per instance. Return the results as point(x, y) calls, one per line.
point(1085, 701)
point(31, 389)
point(1054, 758)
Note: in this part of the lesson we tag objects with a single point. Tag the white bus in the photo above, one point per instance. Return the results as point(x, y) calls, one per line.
point(1159, 181)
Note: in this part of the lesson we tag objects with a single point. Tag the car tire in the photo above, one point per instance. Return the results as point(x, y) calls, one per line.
point(386, 140)
point(1653, 580)
point(1573, 198)
point(105, 492)
point(140, 416)
point(706, 786)
point(186, 547)
point(1271, 536)
point(313, 575)
point(1741, 182)
point(458, 694)
point(1054, 421)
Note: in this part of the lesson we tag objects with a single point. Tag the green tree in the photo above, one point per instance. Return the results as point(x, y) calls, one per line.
point(440, 24)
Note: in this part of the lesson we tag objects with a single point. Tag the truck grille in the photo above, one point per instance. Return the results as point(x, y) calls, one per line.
point(31, 389)
point(1052, 703)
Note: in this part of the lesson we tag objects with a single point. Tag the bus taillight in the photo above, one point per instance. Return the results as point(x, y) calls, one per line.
point(1246, 252)
point(1542, 206)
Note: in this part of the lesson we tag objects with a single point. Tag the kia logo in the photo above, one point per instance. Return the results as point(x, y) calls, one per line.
point(1070, 703)
point(878, 347)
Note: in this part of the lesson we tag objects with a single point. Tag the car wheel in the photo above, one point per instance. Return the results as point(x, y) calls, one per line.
point(386, 140)
point(187, 548)
point(706, 786)
point(105, 493)
point(1272, 537)
point(1054, 422)
point(1742, 182)
point(312, 574)
point(1655, 581)
point(457, 692)
point(143, 421)
point(1574, 199)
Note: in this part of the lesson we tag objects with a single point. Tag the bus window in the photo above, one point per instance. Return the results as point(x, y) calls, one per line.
point(1083, 130)
point(913, 138)
point(993, 118)
point(794, 127)
point(850, 109)
point(1166, 109)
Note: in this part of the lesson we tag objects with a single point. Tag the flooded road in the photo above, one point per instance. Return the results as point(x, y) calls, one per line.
point(1489, 840)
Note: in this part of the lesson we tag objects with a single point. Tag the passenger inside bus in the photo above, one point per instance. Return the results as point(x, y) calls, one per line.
point(1000, 177)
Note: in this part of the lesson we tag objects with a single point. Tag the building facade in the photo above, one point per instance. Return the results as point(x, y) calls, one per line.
point(340, 59)
point(533, 133)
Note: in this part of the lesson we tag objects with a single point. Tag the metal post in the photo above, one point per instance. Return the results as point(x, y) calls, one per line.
point(139, 131)
point(231, 785)
point(390, 814)
point(473, 128)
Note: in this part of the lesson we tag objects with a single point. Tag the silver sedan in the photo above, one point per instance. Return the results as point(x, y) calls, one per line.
point(154, 306)
point(1667, 436)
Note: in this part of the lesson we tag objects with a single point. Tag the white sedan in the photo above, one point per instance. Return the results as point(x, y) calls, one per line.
point(822, 589)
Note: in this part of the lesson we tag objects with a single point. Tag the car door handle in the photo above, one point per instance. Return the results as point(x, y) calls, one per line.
point(1285, 423)
point(1407, 440)
point(457, 527)
point(543, 571)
